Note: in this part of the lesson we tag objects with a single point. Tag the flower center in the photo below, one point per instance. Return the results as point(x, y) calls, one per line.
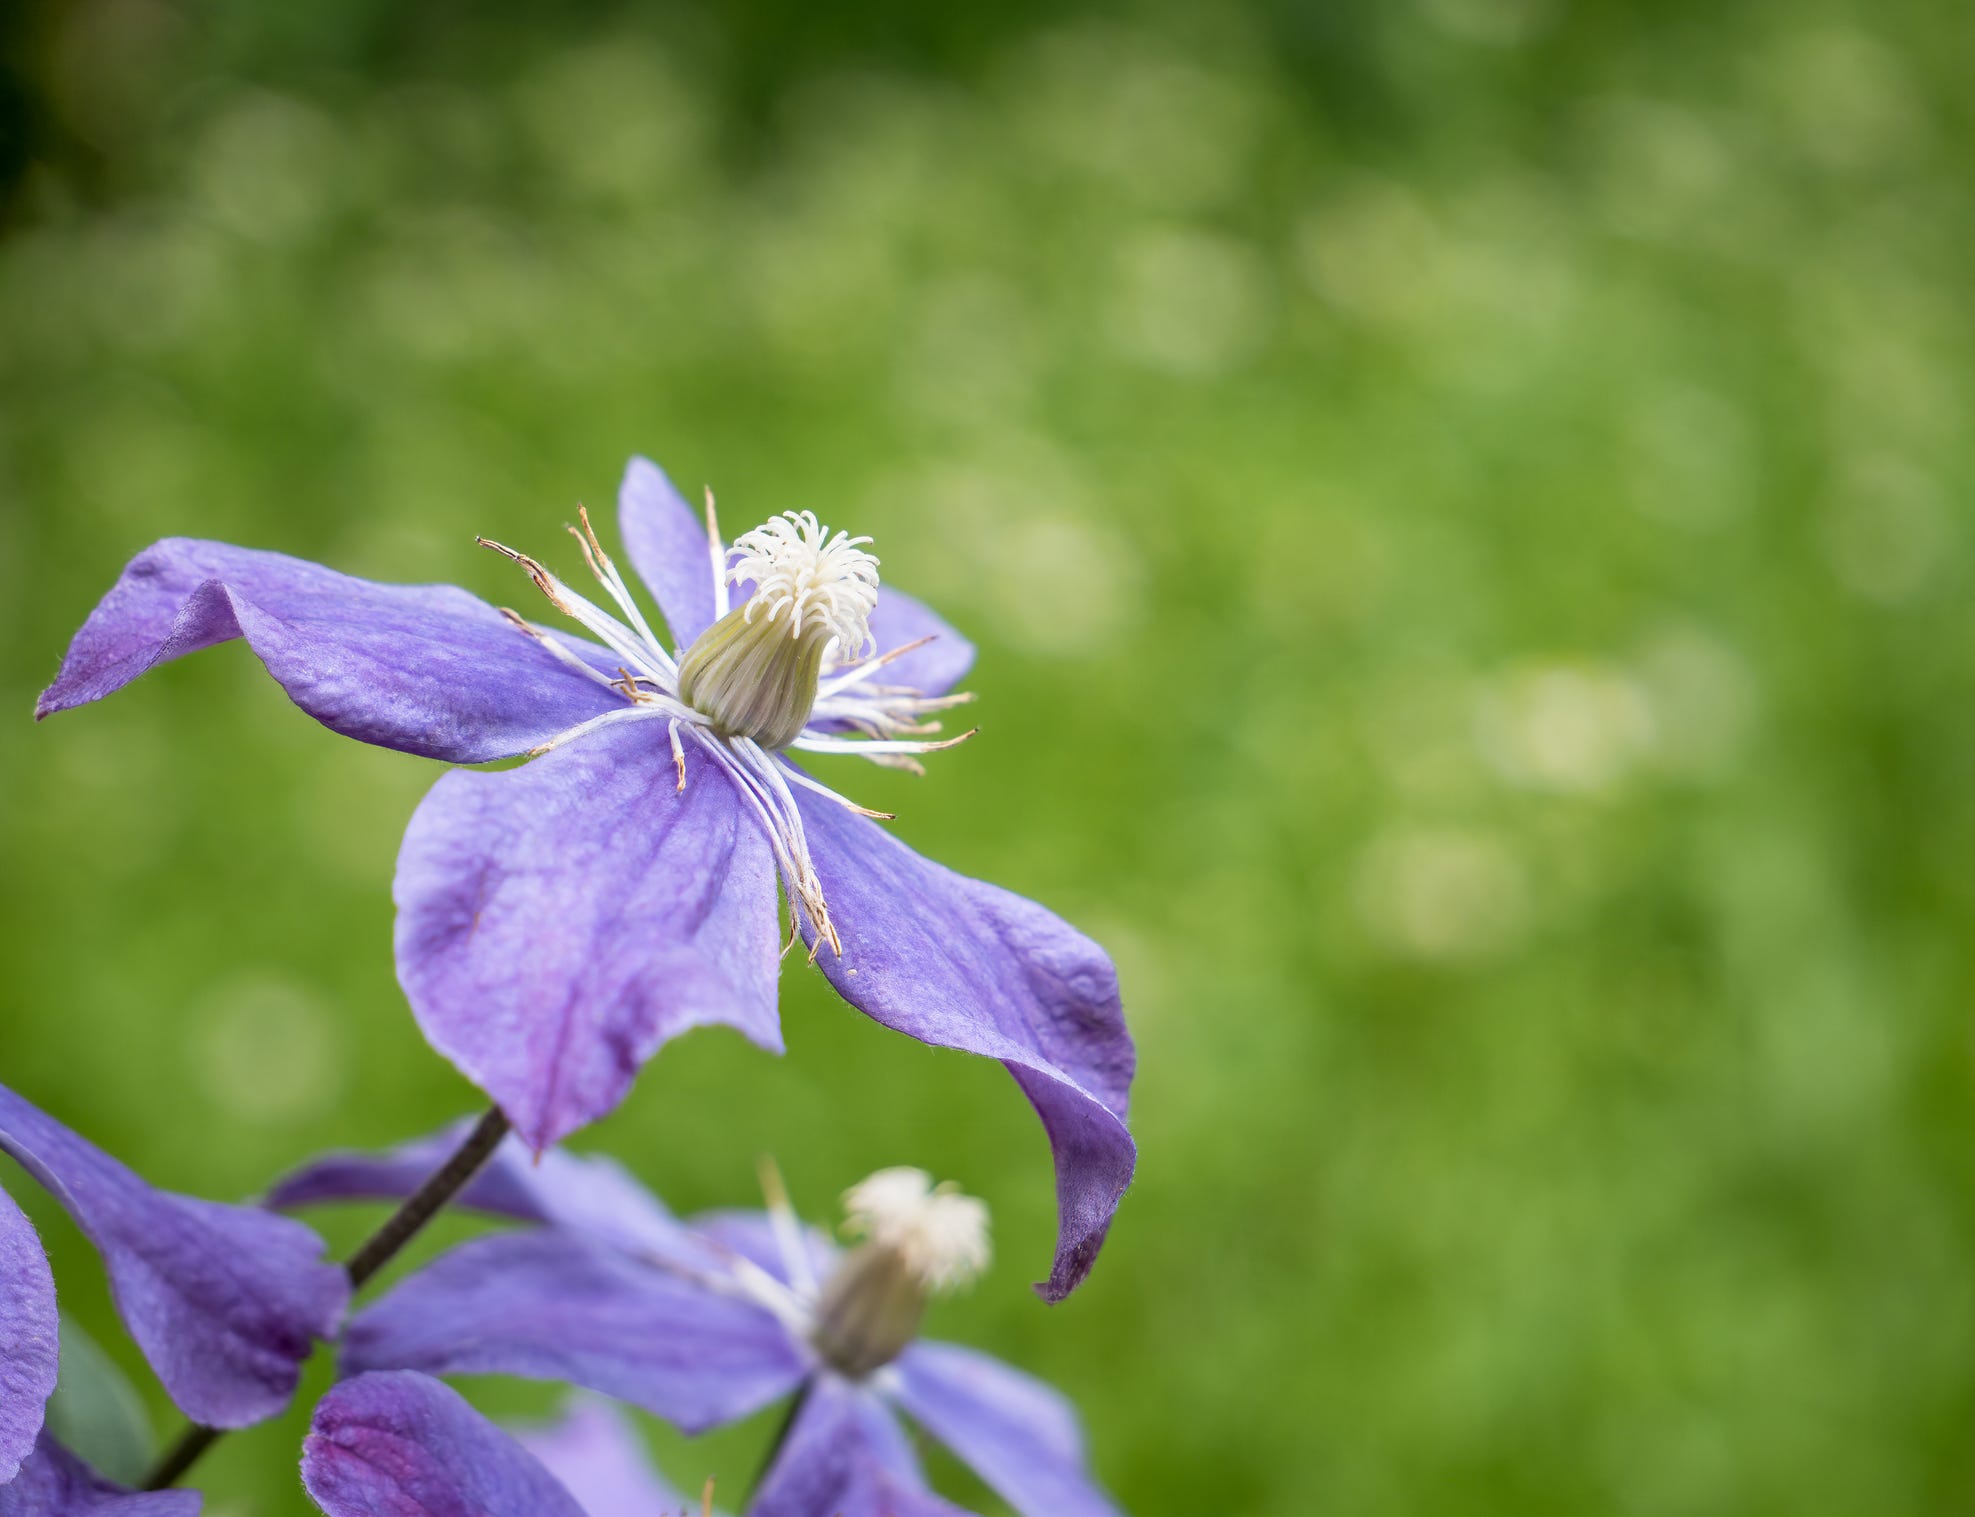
point(754, 673)
point(920, 1240)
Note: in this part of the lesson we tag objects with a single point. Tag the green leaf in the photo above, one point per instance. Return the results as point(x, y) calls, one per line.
point(97, 1413)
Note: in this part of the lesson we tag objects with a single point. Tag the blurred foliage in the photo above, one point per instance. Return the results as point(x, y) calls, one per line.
point(1462, 506)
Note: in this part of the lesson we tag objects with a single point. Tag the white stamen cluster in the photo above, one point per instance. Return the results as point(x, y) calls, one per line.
point(829, 705)
point(800, 570)
point(941, 1234)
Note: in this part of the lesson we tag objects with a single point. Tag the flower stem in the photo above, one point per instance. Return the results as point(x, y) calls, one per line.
point(404, 1224)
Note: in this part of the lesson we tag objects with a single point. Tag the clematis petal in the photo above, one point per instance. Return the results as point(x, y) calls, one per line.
point(751, 1235)
point(598, 1455)
point(54, 1483)
point(666, 539)
point(556, 1306)
point(427, 669)
point(961, 964)
point(30, 1336)
point(587, 1193)
point(841, 1460)
point(559, 922)
point(403, 1445)
point(225, 1301)
point(1019, 1435)
point(932, 670)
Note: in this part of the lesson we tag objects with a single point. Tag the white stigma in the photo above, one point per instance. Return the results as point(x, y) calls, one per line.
point(799, 568)
point(941, 1234)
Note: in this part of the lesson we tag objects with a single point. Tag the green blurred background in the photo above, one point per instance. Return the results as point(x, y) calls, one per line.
point(1461, 505)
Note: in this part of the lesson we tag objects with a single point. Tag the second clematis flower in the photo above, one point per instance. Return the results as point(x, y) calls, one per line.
point(559, 922)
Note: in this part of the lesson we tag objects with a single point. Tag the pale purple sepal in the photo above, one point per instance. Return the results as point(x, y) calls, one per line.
point(590, 1193)
point(30, 1354)
point(597, 1454)
point(403, 1445)
point(426, 669)
point(932, 670)
point(557, 1306)
point(1019, 1435)
point(841, 1459)
point(666, 540)
point(54, 1483)
point(557, 923)
point(225, 1301)
point(962, 964)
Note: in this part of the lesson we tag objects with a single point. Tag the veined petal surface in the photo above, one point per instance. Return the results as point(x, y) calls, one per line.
point(586, 1193)
point(558, 923)
point(557, 1306)
point(961, 964)
point(1020, 1435)
point(54, 1483)
point(30, 1337)
point(426, 669)
point(841, 1459)
point(225, 1301)
point(403, 1445)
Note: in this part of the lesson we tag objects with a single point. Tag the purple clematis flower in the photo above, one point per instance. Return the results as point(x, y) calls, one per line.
point(54, 1483)
point(557, 923)
point(704, 1322)
point(225, 1301)
point(401, 1444)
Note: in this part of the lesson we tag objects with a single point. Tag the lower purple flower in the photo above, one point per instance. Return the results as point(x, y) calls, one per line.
point(738, 1309)
point(54, 1483)
point(29, 1337)
point(225, 1301)
point(403, 1445)
point(559, 922)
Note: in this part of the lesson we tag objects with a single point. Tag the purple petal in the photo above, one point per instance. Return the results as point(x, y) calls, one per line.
point(751, 1235)
point(556, 1306)
point(666, 539)
point(29, 1337)
point(961, 964)
point(401, 1445)
point(1020, 1436)
point(841, 1460)
point(427, 669)
point(934, 669)
point(598, 1455)
point(588, 1193)
point(225, 1301)
point(557, 923)
point(54, 1483)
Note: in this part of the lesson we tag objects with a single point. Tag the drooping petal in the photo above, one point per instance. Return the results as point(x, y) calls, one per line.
point(404, 1445)
point(666, 539)
point(588, 1193)
point(557, 1306)
point(1019, 1435)
point(225, 1301)
point(30, 1337)
point(559, 922)
point(840, 1460)
point(961, 964)
point(597, 1454)
point(932, 670)
point(427, 669)
point(54, 1483)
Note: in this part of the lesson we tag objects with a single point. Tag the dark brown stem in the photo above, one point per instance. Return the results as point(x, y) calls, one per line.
point(404, 1224)
point(781, 1437)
